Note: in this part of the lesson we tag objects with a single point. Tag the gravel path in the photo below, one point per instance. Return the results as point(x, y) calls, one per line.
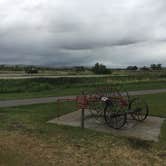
point(19, 102)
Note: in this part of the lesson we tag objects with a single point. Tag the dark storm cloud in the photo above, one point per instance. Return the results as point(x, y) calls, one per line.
point(82, 32)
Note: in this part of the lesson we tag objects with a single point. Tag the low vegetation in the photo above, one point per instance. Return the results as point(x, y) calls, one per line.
point(42, 87)
point(26, 139)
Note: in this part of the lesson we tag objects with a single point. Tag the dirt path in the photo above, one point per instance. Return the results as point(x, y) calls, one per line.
point(19, 102)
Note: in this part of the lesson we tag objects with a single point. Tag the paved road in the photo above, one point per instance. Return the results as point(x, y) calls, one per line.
point(23, 76)
point(20, 102)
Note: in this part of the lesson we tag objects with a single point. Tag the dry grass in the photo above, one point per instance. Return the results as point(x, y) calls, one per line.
point(22, 149)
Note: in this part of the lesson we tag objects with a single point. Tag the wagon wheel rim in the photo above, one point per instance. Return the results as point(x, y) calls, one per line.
point(109, 92)
point(114, 118)
point(96, 109)
point(139, 109)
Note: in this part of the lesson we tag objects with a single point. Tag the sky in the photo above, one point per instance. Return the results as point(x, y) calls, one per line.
point(117, 33)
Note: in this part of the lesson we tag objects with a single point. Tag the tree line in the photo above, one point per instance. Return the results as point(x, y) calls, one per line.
point(97, 68)
point(151, 67)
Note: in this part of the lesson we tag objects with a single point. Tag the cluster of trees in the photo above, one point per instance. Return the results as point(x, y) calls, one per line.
point(156, 66)
point(100, 69)
point(146, 68)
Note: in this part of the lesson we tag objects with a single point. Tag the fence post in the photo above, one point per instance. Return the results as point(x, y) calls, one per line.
point(83, 111)
point(82, 118)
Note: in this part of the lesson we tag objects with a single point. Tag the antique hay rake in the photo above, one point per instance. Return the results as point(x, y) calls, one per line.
point(112, 105)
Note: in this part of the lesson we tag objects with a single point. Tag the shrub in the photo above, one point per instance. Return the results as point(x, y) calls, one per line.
point(100, 69)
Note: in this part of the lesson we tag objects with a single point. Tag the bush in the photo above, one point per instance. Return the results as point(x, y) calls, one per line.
point(100, 69)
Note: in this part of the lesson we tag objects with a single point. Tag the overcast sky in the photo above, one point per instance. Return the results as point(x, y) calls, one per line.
point(117, 33)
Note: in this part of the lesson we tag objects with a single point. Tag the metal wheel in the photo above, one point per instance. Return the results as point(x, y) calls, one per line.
point(96, 108)
point(96, 105)
point(114, 117)
point(139, 109)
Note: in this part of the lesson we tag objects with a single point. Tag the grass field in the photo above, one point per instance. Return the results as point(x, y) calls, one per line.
point(42, 87)
point(26, 139)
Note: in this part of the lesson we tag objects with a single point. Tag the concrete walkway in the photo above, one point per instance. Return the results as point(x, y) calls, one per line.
point(146, 130)
point(20, 102)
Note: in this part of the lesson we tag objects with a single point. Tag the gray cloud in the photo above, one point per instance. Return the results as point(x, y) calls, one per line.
point(82, 32)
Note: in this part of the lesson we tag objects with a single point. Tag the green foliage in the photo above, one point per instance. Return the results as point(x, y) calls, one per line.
point(156, 66)
point(100, 69)
point(63, 83)
point(40, 87)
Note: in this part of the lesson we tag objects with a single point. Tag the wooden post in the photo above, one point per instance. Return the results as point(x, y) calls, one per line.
point(82, 117)
point(83, 111)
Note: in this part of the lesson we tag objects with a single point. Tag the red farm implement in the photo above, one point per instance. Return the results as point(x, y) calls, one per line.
point(111, 104)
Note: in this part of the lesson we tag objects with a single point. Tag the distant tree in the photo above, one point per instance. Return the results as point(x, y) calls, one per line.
point(156, 66)
point(159, 66)
point(153, 66)
point(132, 68)
point(100, 69)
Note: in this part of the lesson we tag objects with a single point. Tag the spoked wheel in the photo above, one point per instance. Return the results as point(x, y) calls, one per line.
point(96, 105)
point(96, 108)
point(113, 117)
point(139, 109)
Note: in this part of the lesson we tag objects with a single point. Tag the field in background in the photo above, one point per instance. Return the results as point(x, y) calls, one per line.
point(44, 72)
point(78, 70)
point(26, 139)
point(42, 87)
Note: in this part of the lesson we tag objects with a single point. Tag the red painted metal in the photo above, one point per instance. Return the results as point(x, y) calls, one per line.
point(82, 102)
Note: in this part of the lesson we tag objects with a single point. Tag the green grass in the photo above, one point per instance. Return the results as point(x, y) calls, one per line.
point(157, 104)
point(157, 107)
point(26, 139)
point(29, 88)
